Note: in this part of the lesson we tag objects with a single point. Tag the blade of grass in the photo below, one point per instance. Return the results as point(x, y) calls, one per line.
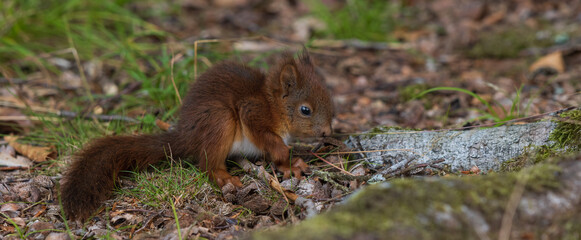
point(490, 110)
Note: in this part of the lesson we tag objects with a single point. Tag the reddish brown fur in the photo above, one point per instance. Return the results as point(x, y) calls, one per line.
point(227, 103)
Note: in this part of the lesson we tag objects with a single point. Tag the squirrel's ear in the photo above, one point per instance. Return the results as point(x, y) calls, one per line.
point(288, 78)
point(304, 56)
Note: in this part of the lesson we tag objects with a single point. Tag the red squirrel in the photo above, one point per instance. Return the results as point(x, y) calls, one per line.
point(231, 109)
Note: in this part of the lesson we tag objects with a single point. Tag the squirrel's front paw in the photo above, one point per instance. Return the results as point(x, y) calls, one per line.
point(297, 167)
point(222, 177)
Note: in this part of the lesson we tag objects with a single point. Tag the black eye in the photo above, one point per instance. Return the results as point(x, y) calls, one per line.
point(305, 110)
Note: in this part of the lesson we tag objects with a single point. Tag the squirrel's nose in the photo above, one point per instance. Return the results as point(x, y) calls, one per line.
point(326, 132)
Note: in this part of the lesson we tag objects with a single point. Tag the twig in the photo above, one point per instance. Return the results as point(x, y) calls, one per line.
point(12, 168)
point(68, 114)
point(356, 44)
point(172, 62)
point(397, 167)
point(420, 167)
point(360, 152)
point(322, 159)
point(274, 183)
point(402, 168)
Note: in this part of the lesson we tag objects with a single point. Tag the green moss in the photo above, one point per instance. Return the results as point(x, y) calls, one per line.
point(568, 132)
point(530, 157)
point(566, 138)
point(506, 43)
point(407, 208)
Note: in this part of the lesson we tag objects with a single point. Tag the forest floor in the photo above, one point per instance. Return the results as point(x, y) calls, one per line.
point(68, 68)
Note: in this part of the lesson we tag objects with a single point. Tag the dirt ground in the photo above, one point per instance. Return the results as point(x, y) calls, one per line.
point(520, 57)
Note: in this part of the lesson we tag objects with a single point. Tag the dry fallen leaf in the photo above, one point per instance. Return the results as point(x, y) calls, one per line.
point(37, 154)
point(162, 125)
point(553, 61)
point(10, 161)
point(475, 169)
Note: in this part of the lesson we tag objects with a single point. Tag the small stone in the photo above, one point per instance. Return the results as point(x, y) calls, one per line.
point(290, 184)
point(312, 188)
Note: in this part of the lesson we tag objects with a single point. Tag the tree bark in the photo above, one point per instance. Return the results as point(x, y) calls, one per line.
point(485, 148)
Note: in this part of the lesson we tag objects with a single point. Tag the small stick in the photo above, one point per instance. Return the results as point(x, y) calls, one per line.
point(322, 159)
point(69, 114)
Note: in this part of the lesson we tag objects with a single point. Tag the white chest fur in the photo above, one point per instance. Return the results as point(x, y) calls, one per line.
point(246, 148)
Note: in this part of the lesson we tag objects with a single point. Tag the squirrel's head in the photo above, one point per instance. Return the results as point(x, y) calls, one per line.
point(296, 85)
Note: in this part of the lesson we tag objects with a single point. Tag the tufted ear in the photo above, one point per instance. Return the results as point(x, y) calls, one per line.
point(304, 56)
point(288, 79)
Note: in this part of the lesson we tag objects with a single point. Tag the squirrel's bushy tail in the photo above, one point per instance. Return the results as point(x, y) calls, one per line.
point(95, 169)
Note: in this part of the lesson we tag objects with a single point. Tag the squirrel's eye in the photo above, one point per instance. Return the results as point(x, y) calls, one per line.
point(305, 110)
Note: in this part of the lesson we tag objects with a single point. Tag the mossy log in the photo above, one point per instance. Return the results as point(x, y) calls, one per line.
point(539, 202)
point(385, 150)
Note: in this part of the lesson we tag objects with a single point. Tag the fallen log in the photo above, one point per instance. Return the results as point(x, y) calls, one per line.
point(541, 200)
point(386, 151)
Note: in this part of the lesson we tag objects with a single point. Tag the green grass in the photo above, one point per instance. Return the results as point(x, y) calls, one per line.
point(130, 49)
point(490, 113)
point(96, 29)
point(164, 186)
point(359, 19)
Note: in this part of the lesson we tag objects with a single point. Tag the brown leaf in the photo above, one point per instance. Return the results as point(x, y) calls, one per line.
point(162, 125)
point(7, 229)
point(37, 154)
point(553, 61)
point(475, 169)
